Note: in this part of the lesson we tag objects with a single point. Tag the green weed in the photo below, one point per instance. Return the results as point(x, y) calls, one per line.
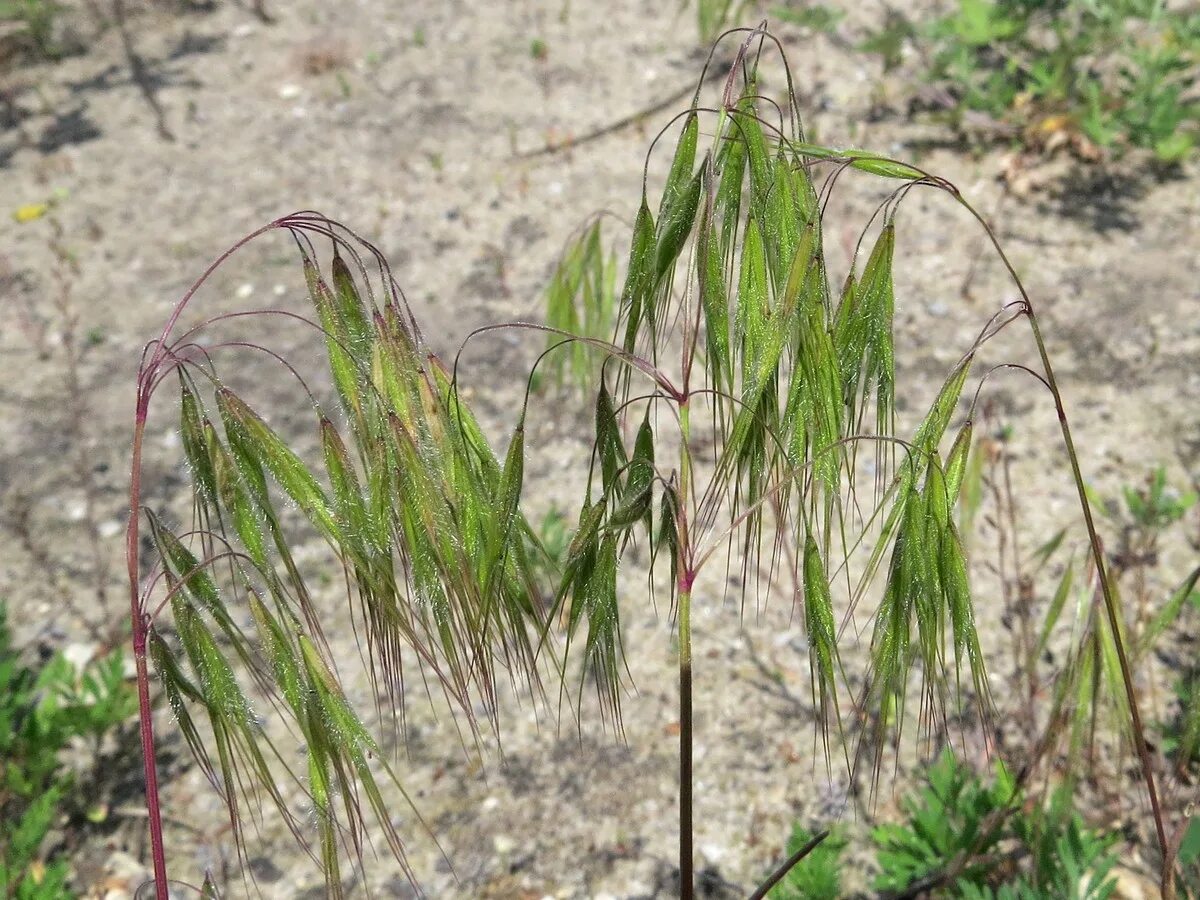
point(817, 17)
point(712, 16)
point(581, 299)
point(42, 709)
point(1115, 75)
point(37, 17)
point(972, 840)
point(818, 876)
point(960, 837)
point(1188, 859)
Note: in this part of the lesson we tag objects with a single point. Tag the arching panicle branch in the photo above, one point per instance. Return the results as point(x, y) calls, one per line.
point(726, 308)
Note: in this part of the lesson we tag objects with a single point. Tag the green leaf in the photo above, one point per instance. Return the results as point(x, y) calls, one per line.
point(1054, 611)
point(956, 461)
point(762, 174)
point(1189, 847)
point(668, 532)
point(235, 499)
point(957, 593)
point(752, 301)
point(929, 433)
point(603, 650)
point(505, 512)
point(731, 162)
point(864, 342)
point(351, 311)
point(354, 520)
point(339, 343)
point(195, 448)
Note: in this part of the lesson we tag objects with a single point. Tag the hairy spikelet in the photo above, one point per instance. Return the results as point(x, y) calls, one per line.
point(725, 308)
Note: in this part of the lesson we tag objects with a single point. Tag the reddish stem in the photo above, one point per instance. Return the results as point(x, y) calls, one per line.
point(140, 625)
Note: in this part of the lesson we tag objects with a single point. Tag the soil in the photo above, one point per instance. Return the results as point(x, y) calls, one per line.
point(409, 125)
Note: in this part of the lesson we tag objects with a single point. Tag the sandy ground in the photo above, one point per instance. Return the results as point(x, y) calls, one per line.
point(402, 121)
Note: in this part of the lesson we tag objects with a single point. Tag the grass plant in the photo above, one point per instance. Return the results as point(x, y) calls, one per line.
point(744, 410)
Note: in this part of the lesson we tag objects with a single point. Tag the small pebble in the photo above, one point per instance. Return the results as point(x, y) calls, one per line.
point(79, 655)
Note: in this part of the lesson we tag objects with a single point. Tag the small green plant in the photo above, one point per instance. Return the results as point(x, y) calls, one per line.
point(1182, 733)
point(1188, 859)
point(37, 17)
point(954, 817)
point(581, 299)
point(989, 842)
point(712, 16)
point(1094, 690)
point(818, 875)
point(1117, 74)
point(1063, 644)
point(816, 17)
point(42, 709)
point(1149, 510)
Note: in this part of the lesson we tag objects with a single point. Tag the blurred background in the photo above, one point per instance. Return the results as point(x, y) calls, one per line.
point(141, 138)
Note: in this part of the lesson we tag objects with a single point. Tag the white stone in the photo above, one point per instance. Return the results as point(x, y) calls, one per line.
point(79, 655)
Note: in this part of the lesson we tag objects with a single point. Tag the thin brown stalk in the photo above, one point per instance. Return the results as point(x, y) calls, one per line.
point(1097, 552)
point(787, 865)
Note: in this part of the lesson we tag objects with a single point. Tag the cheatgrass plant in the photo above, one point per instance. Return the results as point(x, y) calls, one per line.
point(1068, 698)
point(1062, 643)
point(744, 405)
point(1092, 692)
point(581, 299)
